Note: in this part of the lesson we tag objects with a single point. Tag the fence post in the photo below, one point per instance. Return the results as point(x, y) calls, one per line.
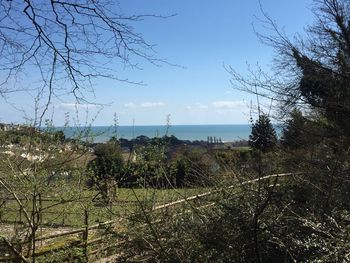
point(86, 235)
point(63, 217)
point(41, 217)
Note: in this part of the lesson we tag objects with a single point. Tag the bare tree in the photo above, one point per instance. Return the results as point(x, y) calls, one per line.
point(62, 46)
point(310, 71)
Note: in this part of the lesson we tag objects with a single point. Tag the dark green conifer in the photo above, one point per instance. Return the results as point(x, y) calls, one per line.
point(263, 136)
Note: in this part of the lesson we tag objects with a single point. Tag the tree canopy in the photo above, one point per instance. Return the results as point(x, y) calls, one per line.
point(263, 136)
point(108, 162)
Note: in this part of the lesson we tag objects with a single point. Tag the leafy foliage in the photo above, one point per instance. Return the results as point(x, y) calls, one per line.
point(108, 162)
point(194, 167)
point(107, 170)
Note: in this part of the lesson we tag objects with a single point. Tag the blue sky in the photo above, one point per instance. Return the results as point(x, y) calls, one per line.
point(202, 37)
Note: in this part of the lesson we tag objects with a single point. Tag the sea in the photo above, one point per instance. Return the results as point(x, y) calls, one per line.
point(225, 133)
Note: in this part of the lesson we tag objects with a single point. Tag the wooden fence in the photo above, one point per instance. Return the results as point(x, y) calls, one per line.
point(80, 237)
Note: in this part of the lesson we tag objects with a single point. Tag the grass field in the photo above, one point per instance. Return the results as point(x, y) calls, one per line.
point(71, 213)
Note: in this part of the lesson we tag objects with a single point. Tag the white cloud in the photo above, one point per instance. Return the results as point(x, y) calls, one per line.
point(152, 104)
point(202, 107)
point(229, 105)
point(131, 105)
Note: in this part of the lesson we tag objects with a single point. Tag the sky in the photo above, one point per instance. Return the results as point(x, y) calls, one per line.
point(194, 88)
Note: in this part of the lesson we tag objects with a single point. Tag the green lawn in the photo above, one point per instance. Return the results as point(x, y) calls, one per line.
point(72, 213)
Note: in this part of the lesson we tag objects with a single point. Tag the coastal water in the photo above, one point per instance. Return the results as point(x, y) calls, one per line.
point(227, 133)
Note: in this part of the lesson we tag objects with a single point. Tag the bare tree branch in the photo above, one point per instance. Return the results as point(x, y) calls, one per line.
point(68, 42)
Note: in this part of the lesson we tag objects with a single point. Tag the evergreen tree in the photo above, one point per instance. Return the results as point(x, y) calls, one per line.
point(293, 133)
point(263, 136)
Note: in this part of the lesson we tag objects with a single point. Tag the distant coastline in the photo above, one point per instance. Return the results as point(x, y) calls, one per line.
point(225, 133)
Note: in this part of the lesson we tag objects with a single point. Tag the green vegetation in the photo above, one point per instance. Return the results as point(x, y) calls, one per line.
point(68, 212)
point(303, 214)
point(163, 200)
point(107, 169)
point(263, 136)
